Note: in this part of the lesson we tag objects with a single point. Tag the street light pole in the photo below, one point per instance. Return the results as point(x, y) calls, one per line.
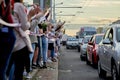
point(54, 12)
point(42, 4)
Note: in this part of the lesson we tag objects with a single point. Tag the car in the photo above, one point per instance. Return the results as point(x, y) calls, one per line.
point(109, 53)
point(91, 56)
point(71, 43)
point(85, 31)
point(83, 47)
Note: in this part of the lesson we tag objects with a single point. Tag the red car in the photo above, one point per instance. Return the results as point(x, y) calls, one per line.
point(91, 56)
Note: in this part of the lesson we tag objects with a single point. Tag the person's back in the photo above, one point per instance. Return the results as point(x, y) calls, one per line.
point(7, 39)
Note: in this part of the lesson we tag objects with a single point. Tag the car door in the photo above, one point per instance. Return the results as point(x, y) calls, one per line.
point(110, 50)
point(90, 48)
point(104, 49)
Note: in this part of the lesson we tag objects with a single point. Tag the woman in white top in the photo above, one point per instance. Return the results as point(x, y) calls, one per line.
point(20, 54)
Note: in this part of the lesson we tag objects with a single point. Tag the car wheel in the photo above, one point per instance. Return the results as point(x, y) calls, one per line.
point(67, 47)
point(87, 62)
point(101, 72)
point(114, 73)
point(82, 58)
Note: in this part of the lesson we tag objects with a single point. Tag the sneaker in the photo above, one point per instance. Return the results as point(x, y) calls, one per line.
point(28, 76)
point(39, 66)
point(31, 69)
point(44, 67)
point(54, 59)
point(56, 54)
point(24, 73)
point(49, 60)
point(34, 66)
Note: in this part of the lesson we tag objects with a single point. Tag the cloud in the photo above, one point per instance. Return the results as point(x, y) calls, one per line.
point(95, 11)
point(95, 3)
point(90, 20)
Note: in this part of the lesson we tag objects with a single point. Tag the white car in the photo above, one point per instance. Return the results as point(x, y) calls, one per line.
point(71, 43)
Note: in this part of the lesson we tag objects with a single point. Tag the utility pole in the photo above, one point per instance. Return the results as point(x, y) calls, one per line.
point(54, 11)
point(42, 4)
point(51, 10)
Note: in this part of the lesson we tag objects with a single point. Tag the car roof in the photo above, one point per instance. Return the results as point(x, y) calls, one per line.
point(98, 34)
point(114, 25)
point(88, 36)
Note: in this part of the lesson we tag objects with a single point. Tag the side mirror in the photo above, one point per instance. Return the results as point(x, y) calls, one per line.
point(107, 41)
point(90, 43)
point(77, 37)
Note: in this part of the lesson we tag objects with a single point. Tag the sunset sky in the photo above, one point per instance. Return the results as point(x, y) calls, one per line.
point(93, 11)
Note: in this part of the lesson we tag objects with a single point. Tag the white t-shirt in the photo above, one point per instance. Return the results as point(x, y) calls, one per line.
point(51, 38)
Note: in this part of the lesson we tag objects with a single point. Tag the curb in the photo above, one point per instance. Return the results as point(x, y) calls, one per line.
point(51, 73)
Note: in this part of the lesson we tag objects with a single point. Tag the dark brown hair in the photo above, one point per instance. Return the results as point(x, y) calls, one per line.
point(17, 1)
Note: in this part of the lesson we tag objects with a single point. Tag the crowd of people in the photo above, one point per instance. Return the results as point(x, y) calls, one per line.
point(31, 43)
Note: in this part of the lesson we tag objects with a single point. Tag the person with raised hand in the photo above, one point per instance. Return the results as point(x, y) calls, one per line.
point(21, 51)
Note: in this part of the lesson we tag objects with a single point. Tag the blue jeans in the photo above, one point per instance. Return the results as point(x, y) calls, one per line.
point(7, 41)
point(11, 68)
point(44, 48)
point(40, 51)
point(32, 54)
point(11, 74)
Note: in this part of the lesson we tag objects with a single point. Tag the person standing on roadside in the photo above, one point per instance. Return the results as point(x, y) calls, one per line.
point(33, 31)
point(20, 55)
point(7, 37)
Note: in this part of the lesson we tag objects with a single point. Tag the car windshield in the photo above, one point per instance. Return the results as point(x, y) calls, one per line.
point(118, 34)
point(98, 39)
point(86, 39)
point(72, 39)
point(80, 40)
point(87, 33)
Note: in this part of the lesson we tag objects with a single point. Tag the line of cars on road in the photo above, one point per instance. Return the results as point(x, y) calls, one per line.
point(102, 51)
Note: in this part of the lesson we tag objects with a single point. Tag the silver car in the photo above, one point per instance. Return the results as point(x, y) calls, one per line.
point(83, 47)
point(109, 53)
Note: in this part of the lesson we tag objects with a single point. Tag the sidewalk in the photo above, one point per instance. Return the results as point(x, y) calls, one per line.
point(51, 73)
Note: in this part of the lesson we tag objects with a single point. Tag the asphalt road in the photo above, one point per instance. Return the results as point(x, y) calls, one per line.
point(72, 68)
